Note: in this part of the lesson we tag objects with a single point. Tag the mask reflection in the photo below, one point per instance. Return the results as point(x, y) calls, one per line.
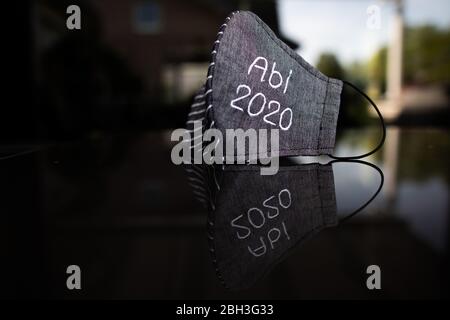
point(255, 220)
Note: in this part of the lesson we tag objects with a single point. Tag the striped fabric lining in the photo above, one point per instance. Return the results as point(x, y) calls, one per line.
point(204, 179)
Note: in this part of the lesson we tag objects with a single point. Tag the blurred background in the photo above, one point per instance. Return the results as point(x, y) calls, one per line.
point(134, 65)
point(92, 111)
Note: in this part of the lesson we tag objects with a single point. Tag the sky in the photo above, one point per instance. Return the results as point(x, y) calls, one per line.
point(345, 28)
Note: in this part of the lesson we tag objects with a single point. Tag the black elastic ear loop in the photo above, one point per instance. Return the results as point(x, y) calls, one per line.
point(380, 144)
point(347, 217)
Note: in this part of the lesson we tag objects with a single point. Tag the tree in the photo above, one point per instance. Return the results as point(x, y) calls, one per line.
point(426, 53)
point(330, 66)
point(377, 71)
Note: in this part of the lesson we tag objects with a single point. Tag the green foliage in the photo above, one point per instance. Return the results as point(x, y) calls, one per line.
point(377, 70)
point(427, 55)
point(426, 51)
point(358, 72)
point(426, 58)
point(427, 149)
point(330, 66)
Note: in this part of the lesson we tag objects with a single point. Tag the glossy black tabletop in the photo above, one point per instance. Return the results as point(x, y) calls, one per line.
point(116, 206)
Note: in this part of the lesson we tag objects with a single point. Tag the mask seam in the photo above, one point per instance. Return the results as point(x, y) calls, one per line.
point(210, 74)
point(286, 169)
point(290, 150)
point(333, 205)
point(330, 94)
point(325, 209)
point(211, 229)
point(319, 138)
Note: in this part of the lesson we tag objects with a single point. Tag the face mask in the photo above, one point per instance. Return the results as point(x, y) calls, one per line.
point(254, 220)
point(255, 81)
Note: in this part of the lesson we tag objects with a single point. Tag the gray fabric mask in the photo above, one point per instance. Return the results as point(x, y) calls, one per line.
point(256, 81)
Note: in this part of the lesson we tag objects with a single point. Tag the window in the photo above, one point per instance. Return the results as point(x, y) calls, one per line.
point(147, 17)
